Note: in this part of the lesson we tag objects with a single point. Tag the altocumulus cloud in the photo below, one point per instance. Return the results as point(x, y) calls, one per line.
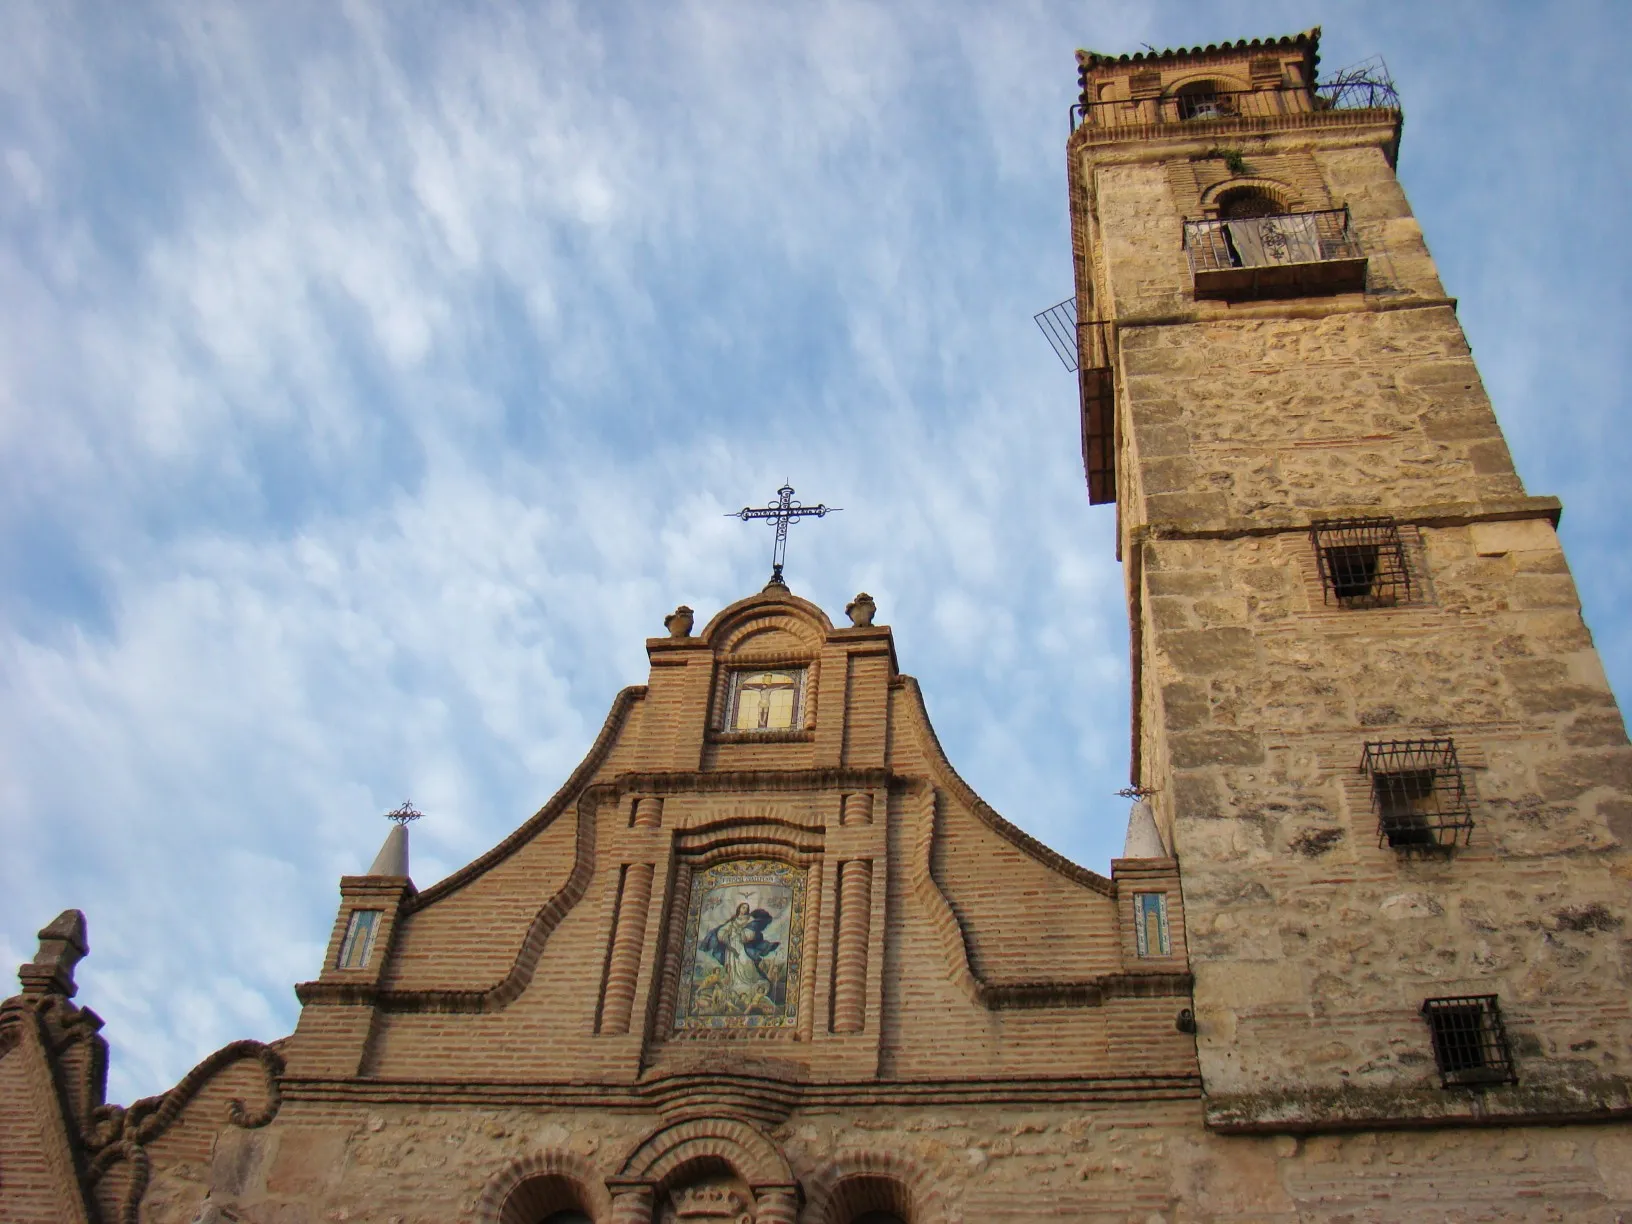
point(372, 382)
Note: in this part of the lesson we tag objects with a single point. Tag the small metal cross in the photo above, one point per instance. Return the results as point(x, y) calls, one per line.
point(782, 512)
point(403, 814)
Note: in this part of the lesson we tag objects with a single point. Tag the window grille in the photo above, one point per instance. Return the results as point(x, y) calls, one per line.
point(1470, 1043)
point(1362, 562)
point(359, 940)
point(1418, 793)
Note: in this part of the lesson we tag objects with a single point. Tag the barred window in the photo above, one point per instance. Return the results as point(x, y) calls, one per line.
point(359, 940)
point(1418, 793)
point(1362, 562)
point(1470, 1043)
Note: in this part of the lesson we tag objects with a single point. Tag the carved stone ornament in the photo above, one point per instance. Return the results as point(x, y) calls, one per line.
point(62, 946)
point(708, 1205)
point(679, 622)
point(860, 610)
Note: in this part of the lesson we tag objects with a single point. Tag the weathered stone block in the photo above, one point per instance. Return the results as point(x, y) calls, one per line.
point(1205, 651)
point(1192, 749)
point(1184, 705)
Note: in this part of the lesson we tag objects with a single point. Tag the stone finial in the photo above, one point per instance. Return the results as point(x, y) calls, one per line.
point(860, 610)
point(1144, 840)
point(679, 622)
point(63, 944)
point(392, 860)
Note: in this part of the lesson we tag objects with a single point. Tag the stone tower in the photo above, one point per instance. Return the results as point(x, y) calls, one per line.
point(1371, 724)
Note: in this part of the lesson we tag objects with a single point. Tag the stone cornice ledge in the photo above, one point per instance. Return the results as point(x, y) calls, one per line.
point(1279, 522)
point(787, 1095)
point(1343, 1109)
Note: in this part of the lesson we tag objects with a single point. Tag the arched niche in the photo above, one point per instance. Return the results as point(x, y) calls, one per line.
point(1202, 98)
point(878, 1187)
point(545, 1188)
point(705, 1146)
point(1237, 197)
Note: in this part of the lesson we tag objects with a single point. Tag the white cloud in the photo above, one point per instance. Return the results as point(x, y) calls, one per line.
point(371, 385)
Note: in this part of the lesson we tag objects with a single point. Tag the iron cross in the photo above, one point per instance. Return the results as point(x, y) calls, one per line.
point(403, 814)
point(782, 512)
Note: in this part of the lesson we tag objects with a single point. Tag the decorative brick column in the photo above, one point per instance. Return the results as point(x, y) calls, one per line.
point(850, 948)
point(627, 944)
point(632, 1205)
point(776, 1205)
point(648, 813)
point(856, 809)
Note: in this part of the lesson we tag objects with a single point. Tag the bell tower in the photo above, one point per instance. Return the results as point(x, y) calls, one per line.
point(1369, 720)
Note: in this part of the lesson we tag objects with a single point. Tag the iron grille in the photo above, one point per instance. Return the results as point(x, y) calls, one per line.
point(1418, 793)
point(1279, 240)
point(1362, 562)
point(1470, 1043)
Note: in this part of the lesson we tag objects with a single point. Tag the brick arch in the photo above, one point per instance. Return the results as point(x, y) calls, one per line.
point(749, 831)
point(528, 1189)
point(706, 1144)
point(1205, 76)
point(861, 1181)
point(769, 609)
point(739, 637)
point(1283, 194)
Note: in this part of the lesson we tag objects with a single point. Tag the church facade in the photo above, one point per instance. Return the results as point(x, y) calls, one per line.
point(765, 957)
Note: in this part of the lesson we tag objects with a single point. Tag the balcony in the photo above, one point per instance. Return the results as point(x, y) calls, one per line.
point(1283, 255)
point(1086, 347)
point(1209, 106)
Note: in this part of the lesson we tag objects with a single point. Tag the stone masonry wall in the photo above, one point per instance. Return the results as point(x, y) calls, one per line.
point(1252, 422)
point(1312, 946)
point(1127, 1164)
point(1239, 424)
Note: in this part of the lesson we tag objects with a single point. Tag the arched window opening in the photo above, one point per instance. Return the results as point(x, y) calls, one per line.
point(1204, 100)
point(870, 1198)
point(1248, 202)
point(547, 1198)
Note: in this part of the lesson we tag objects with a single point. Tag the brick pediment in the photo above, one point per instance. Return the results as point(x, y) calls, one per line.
point(722, 914)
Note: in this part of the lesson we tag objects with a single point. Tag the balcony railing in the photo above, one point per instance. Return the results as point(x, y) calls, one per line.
point(1210, 107)
point(1285, 255)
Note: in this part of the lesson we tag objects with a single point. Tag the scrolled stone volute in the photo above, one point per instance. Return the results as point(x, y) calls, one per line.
point(63, 944)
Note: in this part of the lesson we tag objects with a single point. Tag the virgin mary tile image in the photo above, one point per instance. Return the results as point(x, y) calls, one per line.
point(744, 939)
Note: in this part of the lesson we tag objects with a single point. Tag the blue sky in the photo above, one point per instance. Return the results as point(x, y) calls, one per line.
point(374, 378)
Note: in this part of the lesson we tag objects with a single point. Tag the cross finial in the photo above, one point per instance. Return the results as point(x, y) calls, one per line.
point(403, 814)
point(781, 512)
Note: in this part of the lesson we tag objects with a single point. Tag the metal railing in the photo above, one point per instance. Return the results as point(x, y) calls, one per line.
point(1262, 242)
point(1201, 108)
point(1059, 325)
